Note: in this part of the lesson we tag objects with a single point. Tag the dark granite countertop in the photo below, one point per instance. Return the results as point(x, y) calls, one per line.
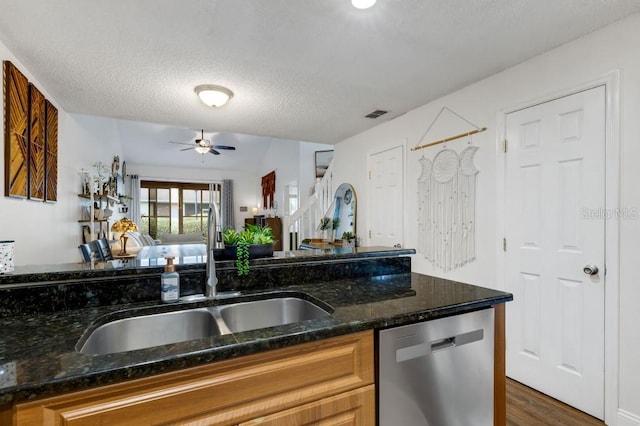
point(28, 274)
point(38, 356)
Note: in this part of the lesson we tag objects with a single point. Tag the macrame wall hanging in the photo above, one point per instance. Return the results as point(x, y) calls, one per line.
point(447, 201)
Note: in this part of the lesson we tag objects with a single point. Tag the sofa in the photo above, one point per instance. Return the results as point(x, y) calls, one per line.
point(186, 238)
point(136, 240)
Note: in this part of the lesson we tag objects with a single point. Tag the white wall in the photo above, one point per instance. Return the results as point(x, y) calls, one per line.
point(613, 48)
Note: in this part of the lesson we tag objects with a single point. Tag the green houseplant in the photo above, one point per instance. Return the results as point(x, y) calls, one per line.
point(252, 242)
point(325, 223)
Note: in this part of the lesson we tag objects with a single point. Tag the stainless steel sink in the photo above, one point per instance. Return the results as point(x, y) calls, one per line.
point(145, 331)
point(269, 313)
point(151, 330)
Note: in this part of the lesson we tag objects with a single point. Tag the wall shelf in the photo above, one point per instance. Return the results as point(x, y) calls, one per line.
point(99, 197)
point(90, 231)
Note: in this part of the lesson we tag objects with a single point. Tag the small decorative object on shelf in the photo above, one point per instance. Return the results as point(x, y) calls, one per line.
point(85, 180)
point(350, 238)
point(102, 178)
point(124, 225)
point(326, 225)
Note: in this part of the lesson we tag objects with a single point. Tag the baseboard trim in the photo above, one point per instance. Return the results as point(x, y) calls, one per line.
point(626, 418)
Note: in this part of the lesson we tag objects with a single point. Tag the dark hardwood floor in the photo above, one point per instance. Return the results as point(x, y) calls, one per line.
point(526, 406)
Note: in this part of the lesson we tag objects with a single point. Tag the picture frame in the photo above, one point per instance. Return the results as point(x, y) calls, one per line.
point(322, 161)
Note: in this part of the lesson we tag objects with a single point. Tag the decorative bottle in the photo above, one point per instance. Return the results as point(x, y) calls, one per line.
point(170, 282)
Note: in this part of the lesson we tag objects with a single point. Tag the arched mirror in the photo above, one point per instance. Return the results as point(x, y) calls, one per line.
point(344, 214)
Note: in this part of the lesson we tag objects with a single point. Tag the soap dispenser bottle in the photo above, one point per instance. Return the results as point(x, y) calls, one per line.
point(170, 282)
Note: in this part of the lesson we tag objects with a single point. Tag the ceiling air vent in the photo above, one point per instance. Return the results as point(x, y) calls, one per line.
point(375, 114)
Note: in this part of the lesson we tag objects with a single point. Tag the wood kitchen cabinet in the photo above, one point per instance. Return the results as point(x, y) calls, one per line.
point(348, 408)
point(328, 380)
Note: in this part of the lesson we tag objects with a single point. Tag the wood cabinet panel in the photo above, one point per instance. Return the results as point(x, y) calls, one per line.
point(354, 408)
point(499, 368)
point(226, 392)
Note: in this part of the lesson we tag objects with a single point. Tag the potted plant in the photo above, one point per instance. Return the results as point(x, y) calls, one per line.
point(325, 226)
point(253, 242)
point(349, 237)
point(335, 224)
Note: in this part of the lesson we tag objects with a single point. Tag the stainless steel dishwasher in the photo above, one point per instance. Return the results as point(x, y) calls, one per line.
point(437, 373)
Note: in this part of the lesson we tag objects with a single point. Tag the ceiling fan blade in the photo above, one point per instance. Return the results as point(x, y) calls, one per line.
point(186, 149)
point(181, 143)
point(230, 148)
point(214, 152)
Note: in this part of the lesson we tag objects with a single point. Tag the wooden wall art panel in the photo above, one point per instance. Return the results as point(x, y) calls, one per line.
point(36, 143)
point(16, 125)
point(51, 159)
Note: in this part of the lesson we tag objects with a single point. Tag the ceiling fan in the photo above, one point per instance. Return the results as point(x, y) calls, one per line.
point(204, 146)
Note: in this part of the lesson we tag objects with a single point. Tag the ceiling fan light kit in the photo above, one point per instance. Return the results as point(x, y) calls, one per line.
point(203, 146)
point(212, 95)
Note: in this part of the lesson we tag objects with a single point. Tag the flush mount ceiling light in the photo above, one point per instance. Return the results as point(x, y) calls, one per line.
point(213, 96)
point(363, 4)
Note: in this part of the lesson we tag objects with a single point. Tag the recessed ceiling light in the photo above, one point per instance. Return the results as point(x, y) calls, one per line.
point(213, 96)
point(363, 4)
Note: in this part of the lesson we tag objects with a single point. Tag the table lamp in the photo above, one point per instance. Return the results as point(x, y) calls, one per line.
point(124, 225)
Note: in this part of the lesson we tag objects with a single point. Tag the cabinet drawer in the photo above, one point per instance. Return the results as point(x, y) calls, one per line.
point(225, 392)
point(353, 408)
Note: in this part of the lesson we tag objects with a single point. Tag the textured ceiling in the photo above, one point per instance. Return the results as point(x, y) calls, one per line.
point(304, 70)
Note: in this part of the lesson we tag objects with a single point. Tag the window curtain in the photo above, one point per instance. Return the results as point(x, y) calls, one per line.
point(134, 192)
point(227, 205)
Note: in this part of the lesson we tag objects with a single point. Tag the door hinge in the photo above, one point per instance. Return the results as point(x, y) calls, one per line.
point(369, 174)
point(504, 244)
point(369, 233)
point(505, 145)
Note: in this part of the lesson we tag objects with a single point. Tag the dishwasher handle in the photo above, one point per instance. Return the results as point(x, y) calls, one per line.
point(424, 349)
point(442, 344)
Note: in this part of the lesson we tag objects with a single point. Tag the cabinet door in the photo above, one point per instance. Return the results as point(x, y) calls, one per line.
point(354, 408)
point(220, 393)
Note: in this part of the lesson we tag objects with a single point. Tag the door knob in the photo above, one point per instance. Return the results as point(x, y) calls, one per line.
point(590, 270)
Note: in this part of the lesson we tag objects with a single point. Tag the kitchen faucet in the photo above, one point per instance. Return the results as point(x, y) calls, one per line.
point(214, 241)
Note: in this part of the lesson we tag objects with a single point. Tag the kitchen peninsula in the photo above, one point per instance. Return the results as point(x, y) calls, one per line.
point(45, 315)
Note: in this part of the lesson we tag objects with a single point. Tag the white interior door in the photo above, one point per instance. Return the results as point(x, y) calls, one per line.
point(554, 201)
point(386, 197)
